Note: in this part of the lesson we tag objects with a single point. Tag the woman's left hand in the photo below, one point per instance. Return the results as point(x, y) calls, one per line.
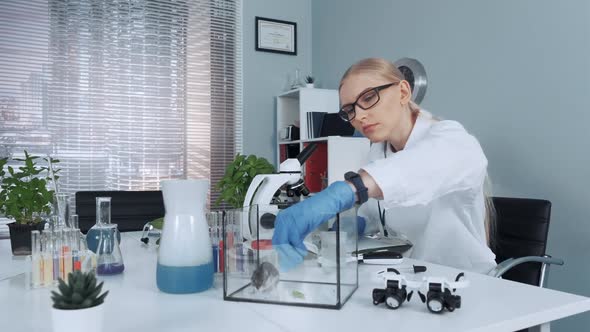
point(293, 224)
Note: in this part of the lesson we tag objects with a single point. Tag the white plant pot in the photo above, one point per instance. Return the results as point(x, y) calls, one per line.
point(309, 85)
point(87, 320)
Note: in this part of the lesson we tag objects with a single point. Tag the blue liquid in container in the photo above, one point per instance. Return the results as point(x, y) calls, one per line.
point(109, 269)
point(93, 236)
point(184, 279)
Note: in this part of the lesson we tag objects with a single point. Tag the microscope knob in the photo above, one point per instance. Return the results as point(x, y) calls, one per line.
point(267, 221)
point(304, 191)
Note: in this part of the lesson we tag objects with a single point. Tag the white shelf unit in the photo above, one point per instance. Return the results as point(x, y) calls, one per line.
point(343, 153)
point(293, 106)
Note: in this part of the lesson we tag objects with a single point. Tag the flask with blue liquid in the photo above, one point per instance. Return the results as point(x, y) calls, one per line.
point(102, 225)
point(185, 259)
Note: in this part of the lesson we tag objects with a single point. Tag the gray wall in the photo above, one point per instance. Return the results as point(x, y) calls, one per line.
point(265, 74)
point(515, 73)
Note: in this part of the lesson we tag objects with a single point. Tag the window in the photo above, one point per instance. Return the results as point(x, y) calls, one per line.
point(124, 92)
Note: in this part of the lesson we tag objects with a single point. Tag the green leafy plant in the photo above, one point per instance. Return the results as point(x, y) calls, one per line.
point(23, 191)
point(309, 79)
point(238, 176)
point(80, 292)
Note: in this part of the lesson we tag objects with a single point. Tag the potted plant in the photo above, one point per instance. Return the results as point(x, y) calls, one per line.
point(78, 305)
point(309, 81)
point(24, 197)
point(238, 176)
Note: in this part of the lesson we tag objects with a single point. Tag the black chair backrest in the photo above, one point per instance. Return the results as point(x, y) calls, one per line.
point(130, 210)
point(522, 225)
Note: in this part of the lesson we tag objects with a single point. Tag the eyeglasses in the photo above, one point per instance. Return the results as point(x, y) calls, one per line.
point(365, 101)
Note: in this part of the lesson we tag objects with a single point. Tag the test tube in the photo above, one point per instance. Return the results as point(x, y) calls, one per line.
point(75, 238)
point(238, 241)
point(221, 238)
point(36, 261)
point(47, 254)
point(74, 222)
point(76, 265)
point(231, 263)
point(67, 253)
point(214, 240)
point(56, 249)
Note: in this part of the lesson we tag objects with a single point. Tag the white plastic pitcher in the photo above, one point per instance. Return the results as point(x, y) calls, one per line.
point(185, 259)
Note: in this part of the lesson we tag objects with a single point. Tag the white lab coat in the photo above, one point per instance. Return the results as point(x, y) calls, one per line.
point(433, 194)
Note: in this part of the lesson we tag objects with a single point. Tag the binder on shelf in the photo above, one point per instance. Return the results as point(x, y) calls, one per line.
point(333, 125)
point(314, 124)
point(292, 150)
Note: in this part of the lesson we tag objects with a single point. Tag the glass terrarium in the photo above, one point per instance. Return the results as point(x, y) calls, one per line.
point(253, 269)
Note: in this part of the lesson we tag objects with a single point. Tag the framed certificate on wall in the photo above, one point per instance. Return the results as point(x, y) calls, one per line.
point(276, 36)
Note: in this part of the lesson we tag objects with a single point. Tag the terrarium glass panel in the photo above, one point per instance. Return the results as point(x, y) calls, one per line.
point(254, 269)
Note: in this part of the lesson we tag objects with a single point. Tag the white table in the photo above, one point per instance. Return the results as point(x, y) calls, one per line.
point(134, 303)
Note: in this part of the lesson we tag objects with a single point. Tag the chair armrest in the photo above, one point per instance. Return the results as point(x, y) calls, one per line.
point(506, 265)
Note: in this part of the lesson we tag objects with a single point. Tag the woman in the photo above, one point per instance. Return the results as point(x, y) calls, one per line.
point(429, 175)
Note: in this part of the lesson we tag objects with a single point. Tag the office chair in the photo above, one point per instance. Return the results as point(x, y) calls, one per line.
point(130, 210)
point(520, 240)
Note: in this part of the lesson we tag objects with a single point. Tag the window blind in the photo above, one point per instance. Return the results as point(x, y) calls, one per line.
point(124, 93)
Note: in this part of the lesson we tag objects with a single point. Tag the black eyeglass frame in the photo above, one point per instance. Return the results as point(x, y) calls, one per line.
point(344, 115)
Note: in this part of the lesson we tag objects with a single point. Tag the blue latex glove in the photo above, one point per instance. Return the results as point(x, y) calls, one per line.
point(293, 224)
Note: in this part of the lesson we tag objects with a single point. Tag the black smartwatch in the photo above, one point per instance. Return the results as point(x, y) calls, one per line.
point(361, 191)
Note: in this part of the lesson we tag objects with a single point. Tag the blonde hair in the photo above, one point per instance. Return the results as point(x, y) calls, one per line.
point(490, 216)
point(379, 67)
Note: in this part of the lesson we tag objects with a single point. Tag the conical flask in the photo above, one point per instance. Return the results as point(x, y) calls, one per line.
point(185, 258)
point(103, 220)
point(110, 260)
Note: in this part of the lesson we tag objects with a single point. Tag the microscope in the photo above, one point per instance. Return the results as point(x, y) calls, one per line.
point(265, 187)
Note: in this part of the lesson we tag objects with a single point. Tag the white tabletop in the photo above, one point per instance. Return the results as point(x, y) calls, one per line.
point(134, 302)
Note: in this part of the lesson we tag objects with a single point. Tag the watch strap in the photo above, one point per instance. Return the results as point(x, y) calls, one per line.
point(361, 191)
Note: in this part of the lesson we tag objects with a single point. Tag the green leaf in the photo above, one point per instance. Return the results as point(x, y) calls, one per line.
point(24, 191)
point(239, 173)
point(77, 298)
point(87, 303)
point(64, 289)
point(101, 298)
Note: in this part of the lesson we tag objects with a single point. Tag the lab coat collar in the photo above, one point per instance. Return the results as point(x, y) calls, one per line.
point(423, 123)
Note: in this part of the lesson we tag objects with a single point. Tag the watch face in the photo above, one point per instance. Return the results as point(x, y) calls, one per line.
point(350, 175)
